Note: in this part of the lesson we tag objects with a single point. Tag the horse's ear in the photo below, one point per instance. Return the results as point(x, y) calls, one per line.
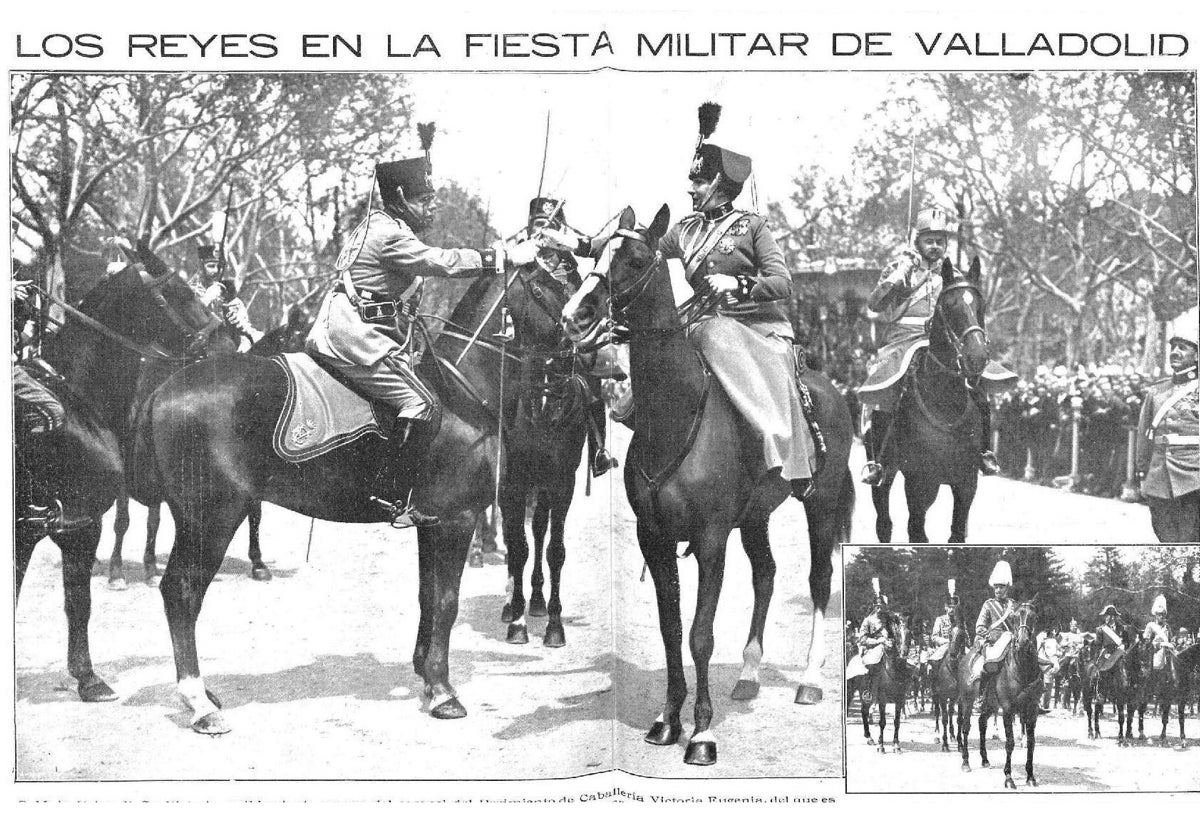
point(973, 272)
point(947, 271)
point(659, 226)
point(628, 219)
point(295, 317)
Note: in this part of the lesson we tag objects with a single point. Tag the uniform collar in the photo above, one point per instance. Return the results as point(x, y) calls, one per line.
point(718, 212)
point(1186, 375)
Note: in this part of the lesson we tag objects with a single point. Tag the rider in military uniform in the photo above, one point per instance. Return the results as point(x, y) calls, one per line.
point(873, 639)
point(39, 418)
point(1158, 634)
point(904, 299)
point(1168, 451)
point(218, 295)
point(995, 626)
point(1184, 639)
point(747, 343)
point(939, 636)
point(1109, 636)
point(364, 330)
point(547, 214)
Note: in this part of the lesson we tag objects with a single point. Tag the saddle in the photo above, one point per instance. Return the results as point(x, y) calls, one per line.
point(321, 413)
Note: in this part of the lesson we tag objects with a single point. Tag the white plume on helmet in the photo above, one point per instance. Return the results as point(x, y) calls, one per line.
point(1001, 573)
point(1160, 605)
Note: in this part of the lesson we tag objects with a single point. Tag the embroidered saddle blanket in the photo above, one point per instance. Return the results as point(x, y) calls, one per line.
point(320, 413)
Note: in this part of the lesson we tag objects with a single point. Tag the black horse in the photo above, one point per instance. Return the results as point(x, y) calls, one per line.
point(286, 338)
point(1170, 684)
point(126, 317)
point(944, 687)
point(888, 682)
point(690, 477)
point(205, 447)
point(1122, 684)
point(542, 447)
point(937, 432)
point(1016, 690)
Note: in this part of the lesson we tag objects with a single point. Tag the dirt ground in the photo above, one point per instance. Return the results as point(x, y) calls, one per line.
point(313, 668)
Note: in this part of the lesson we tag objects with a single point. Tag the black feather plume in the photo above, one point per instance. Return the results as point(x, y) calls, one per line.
point(709, 113)
point(425, 132)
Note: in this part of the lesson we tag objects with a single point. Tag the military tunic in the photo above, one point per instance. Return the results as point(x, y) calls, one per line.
point(391, 266)
point(1169, 454)
point(989, 624)
point(1159, 636)
point(756, 366)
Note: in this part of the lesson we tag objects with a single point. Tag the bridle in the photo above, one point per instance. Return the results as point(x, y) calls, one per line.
point(1025, 628)
point(955, 340)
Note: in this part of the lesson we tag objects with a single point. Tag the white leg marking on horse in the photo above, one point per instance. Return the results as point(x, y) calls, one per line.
point(191, 689)
point(520, 622)
point(439, 698)
point(662, 718)
point(509, 586)
point(816, 649)
point(751, 658)
point(707, 736)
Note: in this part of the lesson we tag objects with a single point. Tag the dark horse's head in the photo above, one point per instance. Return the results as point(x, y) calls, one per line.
point(1026, 615)
point(625, 268)
point(956, 332)
point(157, 312)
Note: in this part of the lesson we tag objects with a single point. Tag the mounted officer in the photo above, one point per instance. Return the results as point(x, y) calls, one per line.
point(939, 636)
point(364, 328)
point(873, 637)
point(1168, 450)
point(747, 343)
point(218, 294)
point(39, 419)
point(1158, 634)
point(1108, 635)
point(561, 266)
point(995, 626)
point(904, 299)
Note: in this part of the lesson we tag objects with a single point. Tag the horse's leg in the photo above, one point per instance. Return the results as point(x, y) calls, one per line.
point(883, 723)
point(78, 556)
point(1183, 745)
point(896, 726)
point(984, 713)
point(425, 588)
point(1030, 721)
point(542, 512)
point(659, 554)
point(116, 567)
point(149, 557)
point(823, 513)
point(964, 495)
point(202, 534)
point(1121, 724)
point(258, 569)
point(920, 495)
point(512, 503)
point(448, 545)
point(23, 546)
point(556, 555)
point(1009, 743)
point(710, 562)
point(762, 575)
point(881, 497)
point(965, 707)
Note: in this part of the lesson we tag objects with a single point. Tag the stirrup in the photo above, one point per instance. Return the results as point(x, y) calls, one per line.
point(603, 462)
point(406, 515)
point(807, 486)
point(872, 473)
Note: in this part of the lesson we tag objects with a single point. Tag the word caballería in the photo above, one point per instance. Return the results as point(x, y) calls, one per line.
point(1067, 44)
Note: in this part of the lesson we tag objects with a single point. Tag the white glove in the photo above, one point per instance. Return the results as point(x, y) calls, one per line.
point(237, 317)
point(721, 282)
point(558, 239)
point(523, 253)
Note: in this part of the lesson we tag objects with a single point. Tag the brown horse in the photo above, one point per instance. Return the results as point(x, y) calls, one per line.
point(205, 447)
point(691, 475)
point(888, 682)
point(1170, 685)
point(936, 435)
point(944, 687)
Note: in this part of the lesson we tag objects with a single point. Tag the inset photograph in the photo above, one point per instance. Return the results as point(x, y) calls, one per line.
point(1063, 668)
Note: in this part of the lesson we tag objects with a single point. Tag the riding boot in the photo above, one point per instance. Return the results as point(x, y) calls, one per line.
point(601, 460)
point(988, 465)
point(802, 488)
point(874, 441)
point(398, 474)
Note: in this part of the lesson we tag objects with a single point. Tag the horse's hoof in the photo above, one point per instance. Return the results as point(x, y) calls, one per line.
point(506, 614)
point(809, 695)
point(518, 634)
point(945, 748)
point(882, 749)
point(870, 742)
point(1141, 736)
point(428, 689)
point(261, 573)
point(897, 748)
point(211, 724)
point(555, 636)
point(1031, 782)
point(449, 710)
point(985, 764)
point(1009, 784)
point(212, 698)
point(966, 768)
point(537, 606)
point(745, 690)
point(152, 581)
point(96, 690)
point(701, 753)
point(117, 584)
point(662, 734)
